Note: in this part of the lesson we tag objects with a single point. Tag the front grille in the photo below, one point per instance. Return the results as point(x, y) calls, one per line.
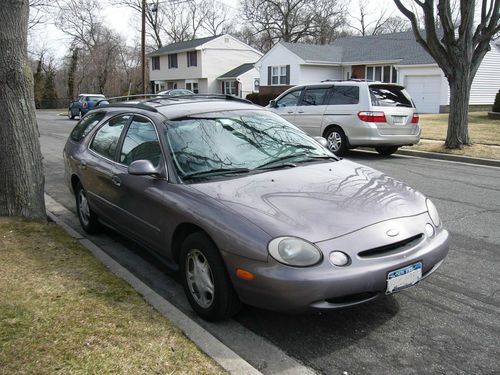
point(393, 248)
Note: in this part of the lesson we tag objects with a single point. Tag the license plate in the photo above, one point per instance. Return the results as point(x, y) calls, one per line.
point(403, 277)
point(399, 120)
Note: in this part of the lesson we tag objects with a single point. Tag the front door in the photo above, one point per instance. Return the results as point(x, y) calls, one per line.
point(286, 106)
point(309, 113)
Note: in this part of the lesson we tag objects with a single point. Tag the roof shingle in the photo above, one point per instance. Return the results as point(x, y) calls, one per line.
point(181, 46)
point(236, 72)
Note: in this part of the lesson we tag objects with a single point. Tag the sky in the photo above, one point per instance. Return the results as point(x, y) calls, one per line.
point(126, 22)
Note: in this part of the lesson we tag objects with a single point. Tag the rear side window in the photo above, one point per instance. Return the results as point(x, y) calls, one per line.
point(344, 95)
point(314, 96)
point(107, 137)
point(86, 125)
point(389, 96)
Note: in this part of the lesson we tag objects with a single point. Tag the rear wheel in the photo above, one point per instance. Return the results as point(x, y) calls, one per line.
point(205, 280)
point(88, 219)
point(386, 150)
point(337, 141)
point(71, 116)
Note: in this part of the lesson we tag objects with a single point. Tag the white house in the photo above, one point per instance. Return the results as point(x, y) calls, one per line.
point(199, 65)
point(395, 57)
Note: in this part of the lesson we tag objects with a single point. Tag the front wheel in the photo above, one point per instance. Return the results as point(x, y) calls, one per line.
point(386, 150)
point(337, 141)
point(88, 219)
point(205, 280)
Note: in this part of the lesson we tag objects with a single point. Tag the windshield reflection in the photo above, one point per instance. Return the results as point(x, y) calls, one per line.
point(238, 141)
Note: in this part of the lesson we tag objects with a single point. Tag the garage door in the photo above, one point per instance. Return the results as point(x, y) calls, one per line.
point(425, 92)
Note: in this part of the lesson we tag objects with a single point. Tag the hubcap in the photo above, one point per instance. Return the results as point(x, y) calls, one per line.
point(334, 141)
point(83, 206)
point(199, 278)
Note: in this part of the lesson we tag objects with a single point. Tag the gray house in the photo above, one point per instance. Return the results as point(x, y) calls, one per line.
point(395, 57)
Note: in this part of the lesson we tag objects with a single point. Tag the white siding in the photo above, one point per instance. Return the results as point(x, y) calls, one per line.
point(247, 80)
point(487, 80)
point(317, 73)
point(277, 56)
point(181, 72)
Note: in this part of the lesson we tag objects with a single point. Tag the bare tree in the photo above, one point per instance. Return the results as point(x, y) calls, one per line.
point(39, 12)
point(458, 54)
point(291, 20)
point(395, 24)
point(22, 182)
point(216, 18)
point(368, 21)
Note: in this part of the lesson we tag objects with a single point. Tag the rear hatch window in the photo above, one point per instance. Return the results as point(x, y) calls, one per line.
point(389, 96)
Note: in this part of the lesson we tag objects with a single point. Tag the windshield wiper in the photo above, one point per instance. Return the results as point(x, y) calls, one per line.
point(215, 172)
point(269, 164)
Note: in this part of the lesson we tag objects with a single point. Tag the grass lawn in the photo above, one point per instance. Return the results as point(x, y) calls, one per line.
point(476, 150)
point(481, 128)
point(63, 312)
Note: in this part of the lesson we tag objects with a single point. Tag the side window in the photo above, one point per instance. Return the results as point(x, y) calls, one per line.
point(290, 99)
point(314, 96)
point(140, 143)
point(80, 99)
point(344, 95)
point(107, 137)
point(86, 125)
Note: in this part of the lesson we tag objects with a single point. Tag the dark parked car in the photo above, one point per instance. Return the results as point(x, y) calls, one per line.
point(248, 207)
point(83, 104)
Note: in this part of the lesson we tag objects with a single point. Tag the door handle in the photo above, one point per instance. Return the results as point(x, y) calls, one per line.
point(300, 111)
point(116, 180)
point(289, 111)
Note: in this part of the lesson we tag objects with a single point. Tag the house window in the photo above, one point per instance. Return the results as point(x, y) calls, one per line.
point(192, 58)
point(230, 88)
point(278, 75)
point(256, 84)
point(383, 73)
point(193, 86)
point(171, 85)
point(172, 61)
point(155, 62)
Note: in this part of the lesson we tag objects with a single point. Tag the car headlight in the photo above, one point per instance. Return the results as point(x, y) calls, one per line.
point(294, 251)
point(433, 212)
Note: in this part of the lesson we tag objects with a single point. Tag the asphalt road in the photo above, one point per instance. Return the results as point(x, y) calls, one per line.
point(449, 324)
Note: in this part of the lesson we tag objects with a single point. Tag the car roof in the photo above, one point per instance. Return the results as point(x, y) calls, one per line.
point(182, 106)
point(100, 95)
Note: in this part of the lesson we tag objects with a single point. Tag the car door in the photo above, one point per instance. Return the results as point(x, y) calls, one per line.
point(287, 105)
point(343, 105)
point(310, 110)
point(100, 169)
point(140, 196)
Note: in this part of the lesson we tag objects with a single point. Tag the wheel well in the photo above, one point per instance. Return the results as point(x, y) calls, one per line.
point(181, 232)
point(74, 181)
point(332, 126)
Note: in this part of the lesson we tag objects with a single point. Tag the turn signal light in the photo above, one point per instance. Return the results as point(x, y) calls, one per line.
point(245, 275)
point(415, 118)
point(372, 116)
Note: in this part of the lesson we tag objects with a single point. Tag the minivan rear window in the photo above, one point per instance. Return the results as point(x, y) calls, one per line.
point(389, 96)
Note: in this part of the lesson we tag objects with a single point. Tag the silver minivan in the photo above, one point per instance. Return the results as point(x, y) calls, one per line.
point(352, 113)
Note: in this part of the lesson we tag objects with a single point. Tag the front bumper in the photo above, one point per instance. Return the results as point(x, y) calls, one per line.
point(325, 286)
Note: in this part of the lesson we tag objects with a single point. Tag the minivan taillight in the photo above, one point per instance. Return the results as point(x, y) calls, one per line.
point(415, 118)
point(372, 116)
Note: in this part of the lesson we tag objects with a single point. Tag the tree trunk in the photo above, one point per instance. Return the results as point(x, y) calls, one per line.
point(21, 169)
point(458, 120)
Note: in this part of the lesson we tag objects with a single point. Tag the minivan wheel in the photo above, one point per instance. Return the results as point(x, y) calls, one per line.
point(337, 141)
point(205, 280)
point(386, 150)
point(88, 219)
point(71, 116)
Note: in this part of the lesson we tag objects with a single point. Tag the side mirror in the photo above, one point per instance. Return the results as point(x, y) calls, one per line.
point(273, 104)
point(142, 168)
point(322, 141)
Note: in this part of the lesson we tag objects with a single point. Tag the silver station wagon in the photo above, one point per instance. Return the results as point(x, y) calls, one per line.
point(247, 207)
point(352, 113)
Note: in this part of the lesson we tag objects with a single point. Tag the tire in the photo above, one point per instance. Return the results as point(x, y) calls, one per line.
point(386, 150)
point(205, 280)
point(80, 114)
point(71, 116)
point(88, 219)
point(337, 141)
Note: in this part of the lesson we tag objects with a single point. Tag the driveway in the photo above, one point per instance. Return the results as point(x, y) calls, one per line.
point(448, 324)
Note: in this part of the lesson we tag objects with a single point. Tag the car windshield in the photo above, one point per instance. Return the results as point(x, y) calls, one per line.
point(230, 142)
point(389, 96)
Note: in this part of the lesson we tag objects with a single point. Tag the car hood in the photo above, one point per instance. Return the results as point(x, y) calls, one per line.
point(316, 201)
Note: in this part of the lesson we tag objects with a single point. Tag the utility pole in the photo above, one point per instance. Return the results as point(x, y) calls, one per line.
point(143, 47)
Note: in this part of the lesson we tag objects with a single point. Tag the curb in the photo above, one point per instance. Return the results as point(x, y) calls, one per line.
point(450, 157)
point(220, 353)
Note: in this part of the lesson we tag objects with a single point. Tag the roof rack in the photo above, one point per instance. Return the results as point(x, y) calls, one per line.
point(349, 80)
